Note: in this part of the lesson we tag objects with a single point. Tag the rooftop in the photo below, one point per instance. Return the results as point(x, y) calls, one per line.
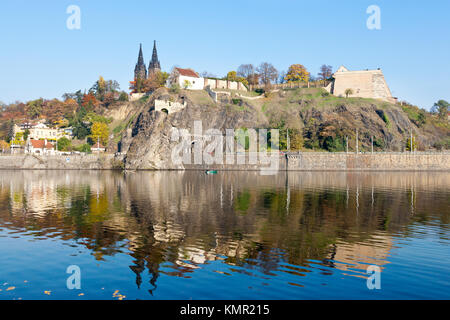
point(187, 72)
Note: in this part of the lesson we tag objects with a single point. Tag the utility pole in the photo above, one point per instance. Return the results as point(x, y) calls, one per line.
point(411, 142)
point(356, 141)
point(288, 140)
point(372, 144)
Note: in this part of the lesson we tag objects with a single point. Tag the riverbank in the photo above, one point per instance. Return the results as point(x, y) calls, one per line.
point(308, 161)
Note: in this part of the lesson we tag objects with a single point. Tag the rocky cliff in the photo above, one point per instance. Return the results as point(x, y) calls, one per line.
point(322, 121)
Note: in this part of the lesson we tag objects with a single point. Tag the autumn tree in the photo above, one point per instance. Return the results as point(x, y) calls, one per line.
point(99, 131)
point(4, 145)
point(296, 139)
point(296, 73)
point(267, 73)
point(325, 72)
point(155, 80)
point(89, 101)
point(233, 76)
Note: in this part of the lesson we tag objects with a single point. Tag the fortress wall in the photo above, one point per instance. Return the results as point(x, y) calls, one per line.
point(365, 84)
point(360, 83)
point(224, 84)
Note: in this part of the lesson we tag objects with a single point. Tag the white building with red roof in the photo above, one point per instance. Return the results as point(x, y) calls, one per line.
point(186, 79)
point(42, 147)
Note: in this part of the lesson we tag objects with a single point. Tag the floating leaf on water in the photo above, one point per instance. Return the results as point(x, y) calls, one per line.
point(10, 288)
point(47, 292)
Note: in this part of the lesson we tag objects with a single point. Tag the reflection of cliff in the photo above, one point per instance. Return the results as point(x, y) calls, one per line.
point(183, 220)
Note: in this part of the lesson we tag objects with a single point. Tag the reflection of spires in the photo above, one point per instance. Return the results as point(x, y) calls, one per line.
point(137, 269)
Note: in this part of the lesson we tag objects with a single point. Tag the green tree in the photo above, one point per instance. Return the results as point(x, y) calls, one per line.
point(64, 144)
point(442, 108)
point(34, 108)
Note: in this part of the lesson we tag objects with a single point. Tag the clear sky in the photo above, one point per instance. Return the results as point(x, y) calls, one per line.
point(41, 57)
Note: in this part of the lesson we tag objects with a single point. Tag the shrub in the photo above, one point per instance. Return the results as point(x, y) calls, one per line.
point(123, 96)
point(175, 88)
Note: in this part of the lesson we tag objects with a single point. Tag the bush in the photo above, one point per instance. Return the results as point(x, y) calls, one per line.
point(237, 101)
point(84, 148)
point(123, 97)
point(175, 88)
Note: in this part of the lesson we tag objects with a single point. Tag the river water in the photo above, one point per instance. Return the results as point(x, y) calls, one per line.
point(233, 235)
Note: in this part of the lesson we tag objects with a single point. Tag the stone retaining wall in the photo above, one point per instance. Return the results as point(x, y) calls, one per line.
point(68, 162)
point(308, 161)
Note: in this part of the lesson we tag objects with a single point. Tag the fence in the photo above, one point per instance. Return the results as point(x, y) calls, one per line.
point(293, 85)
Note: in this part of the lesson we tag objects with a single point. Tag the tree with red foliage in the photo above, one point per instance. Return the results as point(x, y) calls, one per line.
point(89, 102)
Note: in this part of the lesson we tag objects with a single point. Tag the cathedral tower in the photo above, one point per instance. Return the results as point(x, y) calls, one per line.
point(140, 71)
point(154, 63)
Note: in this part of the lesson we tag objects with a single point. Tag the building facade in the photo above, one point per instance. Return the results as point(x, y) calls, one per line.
point(363, 83)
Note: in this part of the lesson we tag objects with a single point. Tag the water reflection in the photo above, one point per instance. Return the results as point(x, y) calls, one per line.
point(175, 223)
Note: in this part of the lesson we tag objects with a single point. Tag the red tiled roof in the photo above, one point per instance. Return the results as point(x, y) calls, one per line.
point(188, 73)
point(39, 144)
point(98, 145)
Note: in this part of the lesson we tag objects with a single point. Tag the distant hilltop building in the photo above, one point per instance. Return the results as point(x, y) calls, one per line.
point(184, 78)
point(363, 83)
point(189, 79)
point(140, 71)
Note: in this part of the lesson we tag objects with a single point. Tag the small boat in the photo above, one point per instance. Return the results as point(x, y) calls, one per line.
point(211, 171)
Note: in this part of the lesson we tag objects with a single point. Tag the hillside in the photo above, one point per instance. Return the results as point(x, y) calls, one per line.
point(316, 120)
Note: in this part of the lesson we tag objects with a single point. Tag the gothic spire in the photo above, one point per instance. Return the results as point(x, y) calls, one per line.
point(154, 63)
point(140, 71)
point(141, 56)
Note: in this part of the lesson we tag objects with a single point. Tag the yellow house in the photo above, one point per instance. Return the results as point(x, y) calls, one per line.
point(41, 131)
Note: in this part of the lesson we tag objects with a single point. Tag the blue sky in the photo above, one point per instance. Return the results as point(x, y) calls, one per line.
point(40, 57)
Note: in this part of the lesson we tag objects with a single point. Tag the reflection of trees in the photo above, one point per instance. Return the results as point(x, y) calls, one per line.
point(172, 222)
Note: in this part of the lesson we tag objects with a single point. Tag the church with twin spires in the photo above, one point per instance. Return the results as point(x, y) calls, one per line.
point(140, 71)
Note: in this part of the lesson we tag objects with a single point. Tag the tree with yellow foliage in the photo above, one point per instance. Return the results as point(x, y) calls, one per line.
point(297, 72)
point(99, 130)
point(3, 145)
